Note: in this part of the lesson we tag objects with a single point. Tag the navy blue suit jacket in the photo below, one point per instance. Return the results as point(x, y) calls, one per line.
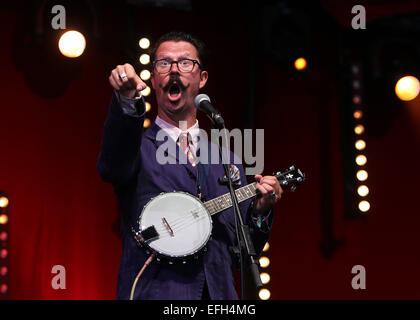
point(128, 161)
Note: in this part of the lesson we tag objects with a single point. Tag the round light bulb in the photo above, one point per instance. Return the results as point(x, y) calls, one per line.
point(72, 44)
point(300, 63)
point(264, 294)
point(144, 58)
point(144, 43)
point(362, 175)
point(364, 206)
point(407, 88)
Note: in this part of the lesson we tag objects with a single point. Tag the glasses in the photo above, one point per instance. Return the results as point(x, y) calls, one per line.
point(184, 65)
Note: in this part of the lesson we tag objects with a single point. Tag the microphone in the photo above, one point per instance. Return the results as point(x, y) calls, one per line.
point(202, 102)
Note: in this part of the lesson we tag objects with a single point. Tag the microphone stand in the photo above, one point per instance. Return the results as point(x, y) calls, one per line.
point(246, 250)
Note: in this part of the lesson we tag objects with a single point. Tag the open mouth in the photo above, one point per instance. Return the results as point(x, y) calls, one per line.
point(174, 92)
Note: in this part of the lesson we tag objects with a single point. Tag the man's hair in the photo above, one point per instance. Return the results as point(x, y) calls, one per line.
point(187, 37)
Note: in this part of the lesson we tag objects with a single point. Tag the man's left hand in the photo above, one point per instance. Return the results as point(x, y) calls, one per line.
point(270, 190)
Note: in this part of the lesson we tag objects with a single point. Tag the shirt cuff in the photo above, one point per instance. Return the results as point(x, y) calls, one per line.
point(128, 105)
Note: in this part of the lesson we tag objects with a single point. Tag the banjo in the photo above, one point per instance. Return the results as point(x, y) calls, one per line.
point(177, 225)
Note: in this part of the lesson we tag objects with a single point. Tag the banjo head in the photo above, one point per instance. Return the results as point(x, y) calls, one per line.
point(182, 223)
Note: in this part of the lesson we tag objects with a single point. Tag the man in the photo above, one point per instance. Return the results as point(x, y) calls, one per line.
point(128, 161)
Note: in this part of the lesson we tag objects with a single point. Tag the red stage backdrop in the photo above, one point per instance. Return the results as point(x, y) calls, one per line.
point(61, 213)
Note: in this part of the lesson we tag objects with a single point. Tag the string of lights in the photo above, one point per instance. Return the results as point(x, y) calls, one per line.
point(265, 293)
point(145, 74)
point(4, 246)
point(359, 140)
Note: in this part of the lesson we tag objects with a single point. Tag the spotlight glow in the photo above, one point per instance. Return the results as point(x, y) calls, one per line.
point(265, 277)
point(362, 175)
point(146, 123)
point(3, 271)
point(3, 236)
point(144, 58)
point(144, 43)
point(264, 294)
point(300, 63)
point(356, 99)
point(266, 247)
point(3, 288)
point(4, 202)
point(363, 191)
point(407, 88)
point(360, 144)
point(361, 160)
point(358, 114)
point(145, 74)
point(146, 91)
point(148, 106)
point(3, 219)
point(364, 206)
point(359, 129)
point(72, 44)
point(264, 262)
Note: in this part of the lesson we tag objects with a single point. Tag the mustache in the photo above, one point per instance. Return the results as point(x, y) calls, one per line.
point(174, 79)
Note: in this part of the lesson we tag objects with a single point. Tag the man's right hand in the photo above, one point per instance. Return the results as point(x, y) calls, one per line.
point(127, 86)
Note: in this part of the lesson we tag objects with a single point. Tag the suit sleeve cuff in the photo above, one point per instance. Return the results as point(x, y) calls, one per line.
point(134, 107)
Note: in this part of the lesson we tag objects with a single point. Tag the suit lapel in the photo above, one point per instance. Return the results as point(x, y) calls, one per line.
point(176, 153)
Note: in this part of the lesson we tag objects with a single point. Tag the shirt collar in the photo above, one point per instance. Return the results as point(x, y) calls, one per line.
point(174, 131)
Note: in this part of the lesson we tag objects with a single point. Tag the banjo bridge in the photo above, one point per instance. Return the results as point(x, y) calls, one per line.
point(168, 227)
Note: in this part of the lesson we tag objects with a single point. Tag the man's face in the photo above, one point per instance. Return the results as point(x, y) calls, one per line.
point(176, 90)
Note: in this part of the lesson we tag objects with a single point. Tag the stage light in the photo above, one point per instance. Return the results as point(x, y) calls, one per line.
point(265, 277)
point(407, 88)
point(3, 219)
point(144, 43)
point(359, 129)
point(358, 114)
point(3, 236)
point(361, 160)
point(364, 206)
point(3, 288)
point(3, 253)
point(146, 91)
point(362, 175)
point(264, 262)
point(146, 123)
point(4, 202)
point(266, 247)
point(356, 99)
point(264, 294)
point(363, 191)
point(144, 58)
point(148, 106)
point(300, 63)
point(145, 75)
point(360, 144)
point(72, 44)
point(3, 271)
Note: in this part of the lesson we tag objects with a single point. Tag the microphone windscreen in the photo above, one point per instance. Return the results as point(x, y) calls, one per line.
point(199, 98)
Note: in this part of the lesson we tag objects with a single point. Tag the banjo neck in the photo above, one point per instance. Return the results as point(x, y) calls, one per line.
point(292, 177)
point(225, 201)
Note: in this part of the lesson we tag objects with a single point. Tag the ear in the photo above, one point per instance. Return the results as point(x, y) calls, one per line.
point(203, 78)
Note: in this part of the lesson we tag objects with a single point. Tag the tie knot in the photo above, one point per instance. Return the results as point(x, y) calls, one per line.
point(184, 139)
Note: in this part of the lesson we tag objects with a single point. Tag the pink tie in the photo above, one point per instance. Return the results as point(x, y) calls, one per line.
point(184, 145)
